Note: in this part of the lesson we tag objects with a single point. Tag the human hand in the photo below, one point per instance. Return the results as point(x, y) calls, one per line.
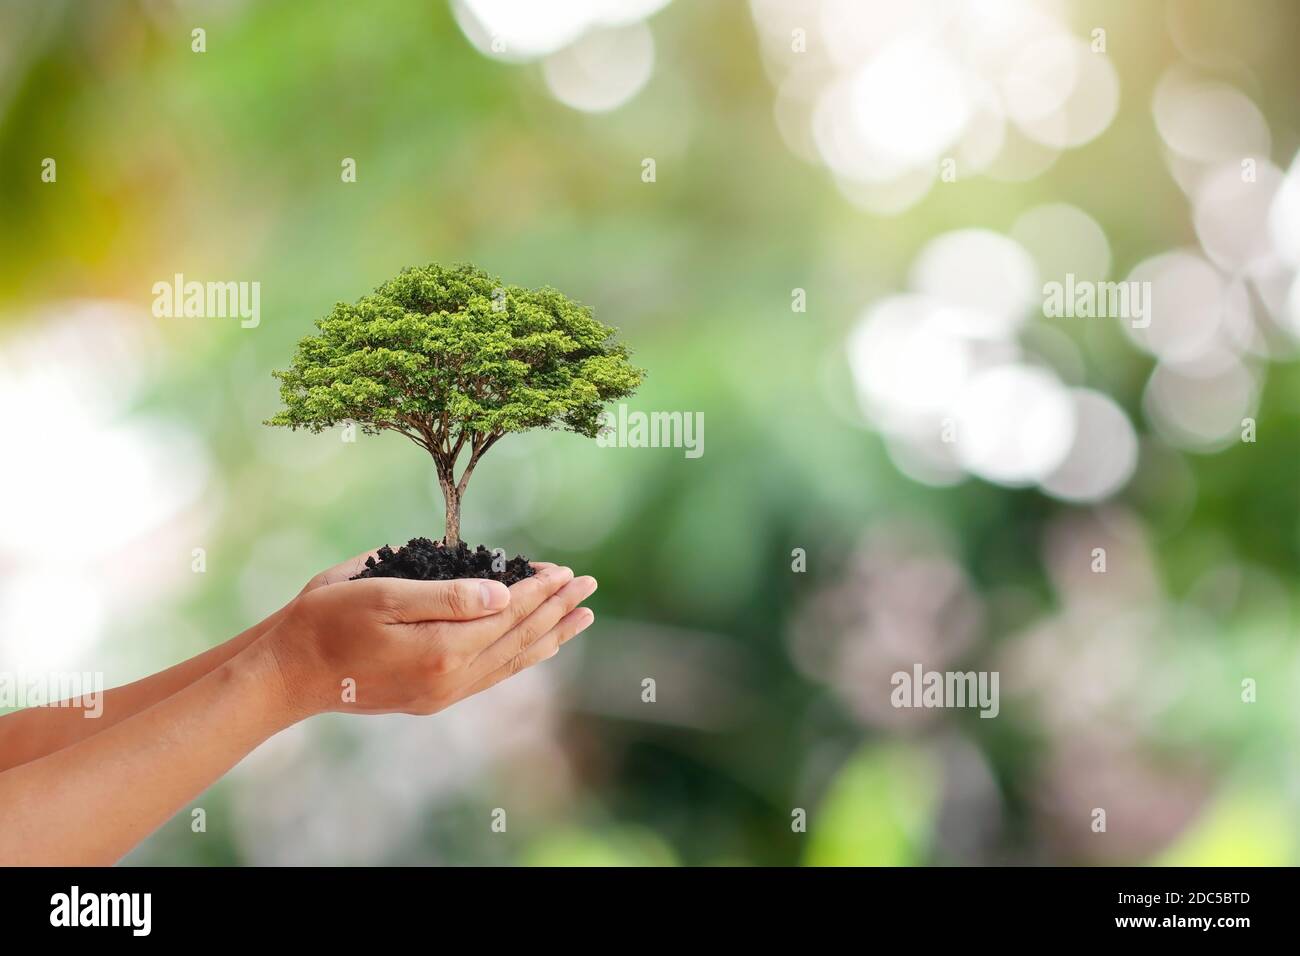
point(343, 571)
point(418, 646)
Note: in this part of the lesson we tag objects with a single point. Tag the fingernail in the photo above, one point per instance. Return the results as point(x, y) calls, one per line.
point(563, 574)
point(588, 584)
point(495, 595)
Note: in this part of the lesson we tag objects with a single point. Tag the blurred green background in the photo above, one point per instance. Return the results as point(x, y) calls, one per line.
point(137, 475)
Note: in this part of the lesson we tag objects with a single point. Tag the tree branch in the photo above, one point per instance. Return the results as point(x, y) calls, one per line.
point(460, 443)
point(415, 437)
point(479, 449)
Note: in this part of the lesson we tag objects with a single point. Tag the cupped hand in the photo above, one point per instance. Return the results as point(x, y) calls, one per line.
point(384, 645)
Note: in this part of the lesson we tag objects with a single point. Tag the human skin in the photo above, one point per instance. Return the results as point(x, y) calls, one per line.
point(79, 791)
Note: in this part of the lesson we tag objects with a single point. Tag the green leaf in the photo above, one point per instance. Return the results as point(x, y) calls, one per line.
point(458, 352)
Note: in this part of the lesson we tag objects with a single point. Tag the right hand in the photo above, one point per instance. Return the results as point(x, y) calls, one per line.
point(417, 647)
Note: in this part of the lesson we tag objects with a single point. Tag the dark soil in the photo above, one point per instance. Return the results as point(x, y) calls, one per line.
point(425, 560)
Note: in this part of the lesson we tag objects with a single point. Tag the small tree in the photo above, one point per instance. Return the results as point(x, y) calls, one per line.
point(454, 360)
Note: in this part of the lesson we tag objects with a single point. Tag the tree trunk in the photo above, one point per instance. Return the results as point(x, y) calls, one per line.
point(452, 497)
point(452, 490)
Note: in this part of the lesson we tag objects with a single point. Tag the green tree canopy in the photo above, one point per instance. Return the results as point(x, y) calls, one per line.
point(454, 359)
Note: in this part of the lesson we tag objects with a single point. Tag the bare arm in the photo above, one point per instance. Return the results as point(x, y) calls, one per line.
point(404, 646)
point(91, 802)
point(32, 733)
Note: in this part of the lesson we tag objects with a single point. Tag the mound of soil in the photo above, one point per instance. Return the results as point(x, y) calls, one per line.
point(425, 560)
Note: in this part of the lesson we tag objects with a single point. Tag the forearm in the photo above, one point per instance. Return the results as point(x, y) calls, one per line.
point(89, 803)
point(36, 731)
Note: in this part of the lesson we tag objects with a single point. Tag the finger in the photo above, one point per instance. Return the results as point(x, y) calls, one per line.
point(569, 627)
point(402, 601)
point(525, 597)
point(343, 571)
point(583, 615)
point(537, 624)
